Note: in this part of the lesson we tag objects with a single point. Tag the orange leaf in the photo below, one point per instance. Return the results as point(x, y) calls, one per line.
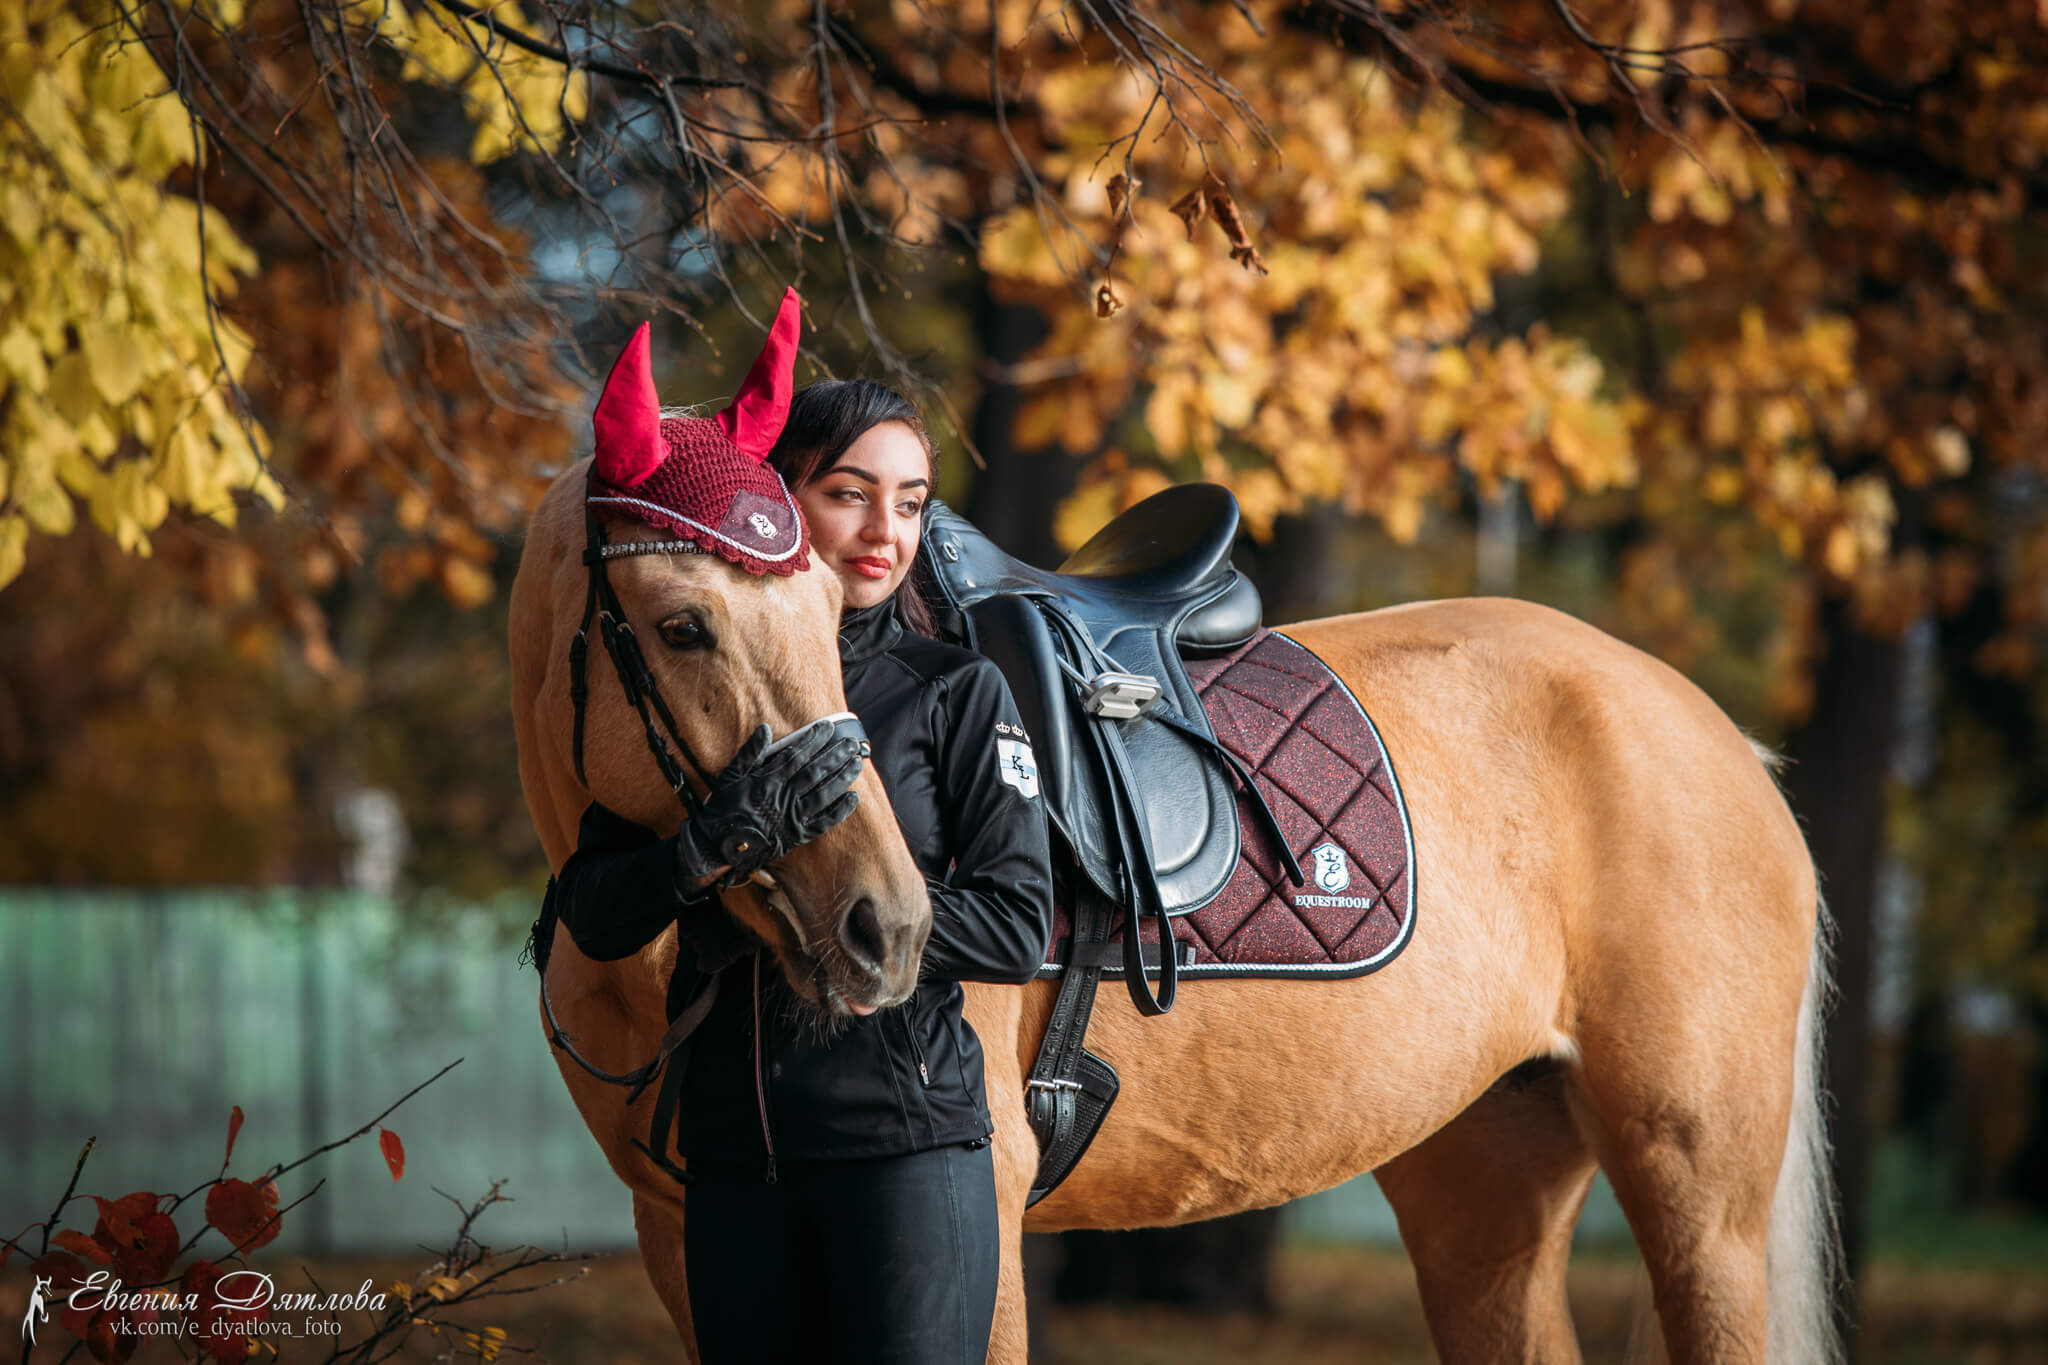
point(213, 1323)
point(150, 1258)
point(244, 1212)
point(117, 1217)
point(1224, 209)
point(71, 1239)
point(234, 1127)
point(1119, 194)
point(196, 1284)
point(142, 1242)
point(107, 1341)
point(394, 1151)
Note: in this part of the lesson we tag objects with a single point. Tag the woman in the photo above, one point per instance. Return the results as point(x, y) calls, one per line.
point(842, 1200)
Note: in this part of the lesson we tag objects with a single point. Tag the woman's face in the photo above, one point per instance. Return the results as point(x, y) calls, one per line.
point(864, 512)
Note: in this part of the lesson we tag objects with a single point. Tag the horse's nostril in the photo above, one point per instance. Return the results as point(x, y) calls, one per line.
point(862, 934)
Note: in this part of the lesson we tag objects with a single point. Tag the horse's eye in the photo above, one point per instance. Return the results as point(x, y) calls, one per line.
point(685, 632)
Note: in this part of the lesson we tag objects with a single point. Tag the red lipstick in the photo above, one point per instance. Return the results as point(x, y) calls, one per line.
point(869, 566)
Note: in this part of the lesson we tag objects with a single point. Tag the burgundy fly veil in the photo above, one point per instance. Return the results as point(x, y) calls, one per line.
point(705, 479)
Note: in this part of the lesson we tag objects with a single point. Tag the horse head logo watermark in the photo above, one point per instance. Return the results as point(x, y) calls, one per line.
point(1333, 874)
point(763, 527)
point(38, 1310)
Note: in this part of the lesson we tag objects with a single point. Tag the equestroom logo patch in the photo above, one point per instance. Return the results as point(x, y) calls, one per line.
point(1332, 874)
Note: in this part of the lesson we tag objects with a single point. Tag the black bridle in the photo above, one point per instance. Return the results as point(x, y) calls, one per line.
point(601, 603)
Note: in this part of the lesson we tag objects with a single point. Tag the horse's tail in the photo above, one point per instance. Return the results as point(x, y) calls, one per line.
point(1805, 1261)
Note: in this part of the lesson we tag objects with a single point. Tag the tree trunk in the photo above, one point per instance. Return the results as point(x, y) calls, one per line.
point(1014, 498)
point(1840, 759)
point(1293, 569)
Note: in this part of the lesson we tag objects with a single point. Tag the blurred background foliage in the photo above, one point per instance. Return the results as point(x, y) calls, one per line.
point(1720, 324)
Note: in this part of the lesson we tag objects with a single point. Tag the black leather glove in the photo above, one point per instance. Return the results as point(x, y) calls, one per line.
point(760, 808)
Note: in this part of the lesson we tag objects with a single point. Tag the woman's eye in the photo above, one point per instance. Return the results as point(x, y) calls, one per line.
point(912, 508)
point(685, 632)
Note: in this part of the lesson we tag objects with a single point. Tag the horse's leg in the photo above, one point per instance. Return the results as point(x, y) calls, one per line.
point(1016, 1154)
point(593, 1008)
point(1691, 1127)
point(996, 1014)
point(660, 1225)
point(1486, 1206)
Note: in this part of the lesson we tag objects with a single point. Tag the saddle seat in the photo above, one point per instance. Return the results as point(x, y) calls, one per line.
point(1154, 583)
point(1163, 558)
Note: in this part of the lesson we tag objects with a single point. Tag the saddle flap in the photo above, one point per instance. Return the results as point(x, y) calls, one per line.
point(1008, 630)
point(1189, 804)
point(1183, 795)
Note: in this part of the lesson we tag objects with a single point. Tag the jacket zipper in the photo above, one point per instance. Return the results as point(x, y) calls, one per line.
point(760, 1085)
point(910, 1031)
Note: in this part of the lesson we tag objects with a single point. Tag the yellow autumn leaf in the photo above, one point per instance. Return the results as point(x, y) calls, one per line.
point(1084, 512)
point(105, 292)
point(22, 356)
point(466, 584)
point(72, 391)
point(21, 214)
point(1016, 246)
point(1038, 421)
point(13, 547)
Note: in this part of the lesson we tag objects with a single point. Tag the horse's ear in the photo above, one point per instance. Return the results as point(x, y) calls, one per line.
point(628, 420)
point(756, 416)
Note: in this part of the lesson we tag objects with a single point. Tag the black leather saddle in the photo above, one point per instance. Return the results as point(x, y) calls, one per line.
point(1129, 769)
point(1166, 559)
point(1156, 576)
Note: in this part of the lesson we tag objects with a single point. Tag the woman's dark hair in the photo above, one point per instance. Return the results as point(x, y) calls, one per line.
point(827, 417)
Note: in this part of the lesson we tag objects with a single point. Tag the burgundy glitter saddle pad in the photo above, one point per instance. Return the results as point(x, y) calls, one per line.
point(1319, 763)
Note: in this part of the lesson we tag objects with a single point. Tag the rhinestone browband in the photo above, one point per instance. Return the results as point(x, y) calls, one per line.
point(651, 547)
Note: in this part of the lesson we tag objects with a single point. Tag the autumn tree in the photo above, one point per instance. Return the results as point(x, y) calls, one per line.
point(339, 411)
point(1276, 246)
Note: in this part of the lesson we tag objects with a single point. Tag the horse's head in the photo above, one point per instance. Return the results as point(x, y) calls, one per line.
point(728, 649)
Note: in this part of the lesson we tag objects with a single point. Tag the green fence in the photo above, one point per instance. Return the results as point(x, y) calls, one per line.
point(142, 1018)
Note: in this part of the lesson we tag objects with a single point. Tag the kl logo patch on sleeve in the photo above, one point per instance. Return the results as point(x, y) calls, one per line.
point(1018, 768)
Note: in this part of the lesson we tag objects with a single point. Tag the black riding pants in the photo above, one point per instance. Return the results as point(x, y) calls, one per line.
point(888, 1260)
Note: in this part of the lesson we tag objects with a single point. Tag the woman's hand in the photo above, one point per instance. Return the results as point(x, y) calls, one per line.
point(758, 809)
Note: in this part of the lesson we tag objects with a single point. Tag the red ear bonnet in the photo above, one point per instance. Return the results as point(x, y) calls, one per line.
point(628, 420)
point(755, 418)
point(705, 480)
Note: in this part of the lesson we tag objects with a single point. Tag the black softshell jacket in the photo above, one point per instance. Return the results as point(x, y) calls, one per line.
point(956, 763)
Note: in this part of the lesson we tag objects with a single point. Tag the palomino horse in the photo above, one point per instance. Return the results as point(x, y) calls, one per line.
point(1619, 966)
